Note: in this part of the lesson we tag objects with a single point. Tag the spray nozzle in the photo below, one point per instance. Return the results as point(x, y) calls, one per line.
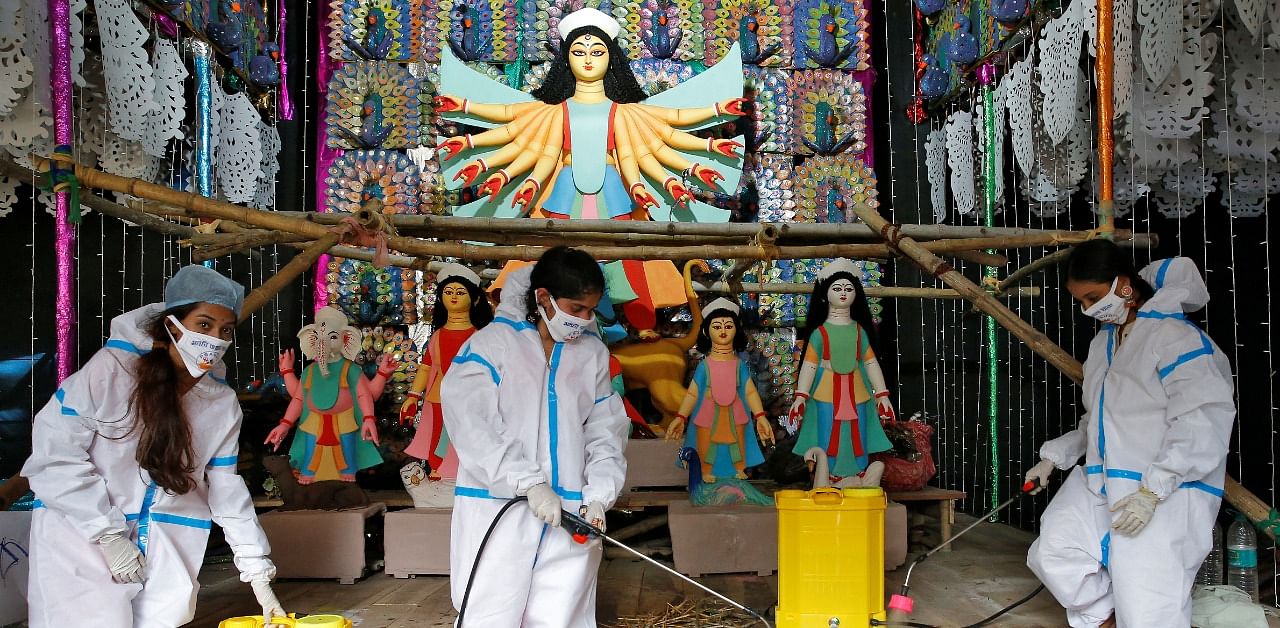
point(577, 527)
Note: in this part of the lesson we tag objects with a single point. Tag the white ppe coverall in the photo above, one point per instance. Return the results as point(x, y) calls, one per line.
point(518, 419)
point(86, 479)
point(1159, 413)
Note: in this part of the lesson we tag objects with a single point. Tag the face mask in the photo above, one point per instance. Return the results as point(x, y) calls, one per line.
point(199, 352)
point(1109, 309)
point(563, 327)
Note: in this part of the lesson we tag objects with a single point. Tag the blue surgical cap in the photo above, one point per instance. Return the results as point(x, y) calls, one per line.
point(198, 284)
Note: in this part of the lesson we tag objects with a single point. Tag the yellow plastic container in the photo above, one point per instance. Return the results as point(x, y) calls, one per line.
point(830, 557)
point(310, 621)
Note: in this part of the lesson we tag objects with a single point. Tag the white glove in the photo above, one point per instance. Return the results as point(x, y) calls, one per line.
point(594, 514)
point(1040, 473)
point(267, 600)
point(545, 504)
point(1135, 510)
point(124, 559)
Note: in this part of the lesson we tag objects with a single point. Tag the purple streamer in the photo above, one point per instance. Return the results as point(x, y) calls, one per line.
point(65, 306)
point(286, 105)
point(986, 73)
point(325, 155)
point(868, 79)
point(165, 23)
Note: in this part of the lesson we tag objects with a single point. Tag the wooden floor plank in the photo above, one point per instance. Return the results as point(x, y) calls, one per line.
point(618, 592)
point(986, 572)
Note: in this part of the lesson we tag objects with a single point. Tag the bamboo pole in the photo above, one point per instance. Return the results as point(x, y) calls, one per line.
point(283, 277)
point(1054, 258)
point(1247, 503)
point(452, 226)
point(1236, 494)
point(934, 265)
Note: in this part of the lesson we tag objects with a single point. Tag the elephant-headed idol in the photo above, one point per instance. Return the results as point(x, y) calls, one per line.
point(332, 403)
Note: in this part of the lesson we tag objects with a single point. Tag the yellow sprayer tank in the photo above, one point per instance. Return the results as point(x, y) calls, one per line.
point(310, 621)
point(830, 557)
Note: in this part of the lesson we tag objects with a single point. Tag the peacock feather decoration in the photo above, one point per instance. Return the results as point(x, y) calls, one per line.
point(661, 29)
point(373, 105)
point(832, 35)
point(387, 177)
point(374, 30)
point(659, 75)
point(774, 179)
point(473, 30)
point(831, 112)
point(541, 17)
point(773, 361)
point(763, 29)
point(771, 112)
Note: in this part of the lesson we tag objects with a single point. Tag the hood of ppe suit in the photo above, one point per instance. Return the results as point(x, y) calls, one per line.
point(1178, 284)
point(515, 290)
point(130, 328)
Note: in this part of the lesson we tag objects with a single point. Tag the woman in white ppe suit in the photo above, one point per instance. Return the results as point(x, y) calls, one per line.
point(531, 411)
point(134, 459)
point(1122, 540)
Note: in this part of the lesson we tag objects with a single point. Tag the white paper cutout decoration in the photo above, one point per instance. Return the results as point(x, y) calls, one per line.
point(1058, 68)
point(77, 40)
point(28, 129)
point(1161, 36)
point(123, 157)
point(1126, 191)
point(1235, 141)
point(1273, 20)
point(1175, 108)
point(960, 159)
point(239, 150)
point(935, 160)
point(1256, 95)
point(1191, 181)
point(269, 142)
point(127, 67)
point(8, 195)
point(36, 25)
point(15, 65)
point(1017, 93)
point(164, 121)
point(1122, 56)
point(1250, 12)
point(1249, 187)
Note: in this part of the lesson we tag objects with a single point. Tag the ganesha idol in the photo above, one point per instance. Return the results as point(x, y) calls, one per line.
point(332, 404)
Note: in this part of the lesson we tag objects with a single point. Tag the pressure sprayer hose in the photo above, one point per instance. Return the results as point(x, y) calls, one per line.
point(984, 622)
point(575, 522)
point(466, 595)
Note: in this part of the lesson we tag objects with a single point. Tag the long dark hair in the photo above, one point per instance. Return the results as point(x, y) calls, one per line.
point(481, 311)
point(566, 273)
point(620, 83)
point(704, 334)
point(820, 307)
point(164, 435)
point(1101, 261)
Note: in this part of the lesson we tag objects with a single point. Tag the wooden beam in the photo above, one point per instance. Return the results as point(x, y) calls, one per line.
point(453, 226)
point(932, 264)
point(283, 277)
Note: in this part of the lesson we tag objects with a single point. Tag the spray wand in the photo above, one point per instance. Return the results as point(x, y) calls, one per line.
point(582, 531)
point(901, 604)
